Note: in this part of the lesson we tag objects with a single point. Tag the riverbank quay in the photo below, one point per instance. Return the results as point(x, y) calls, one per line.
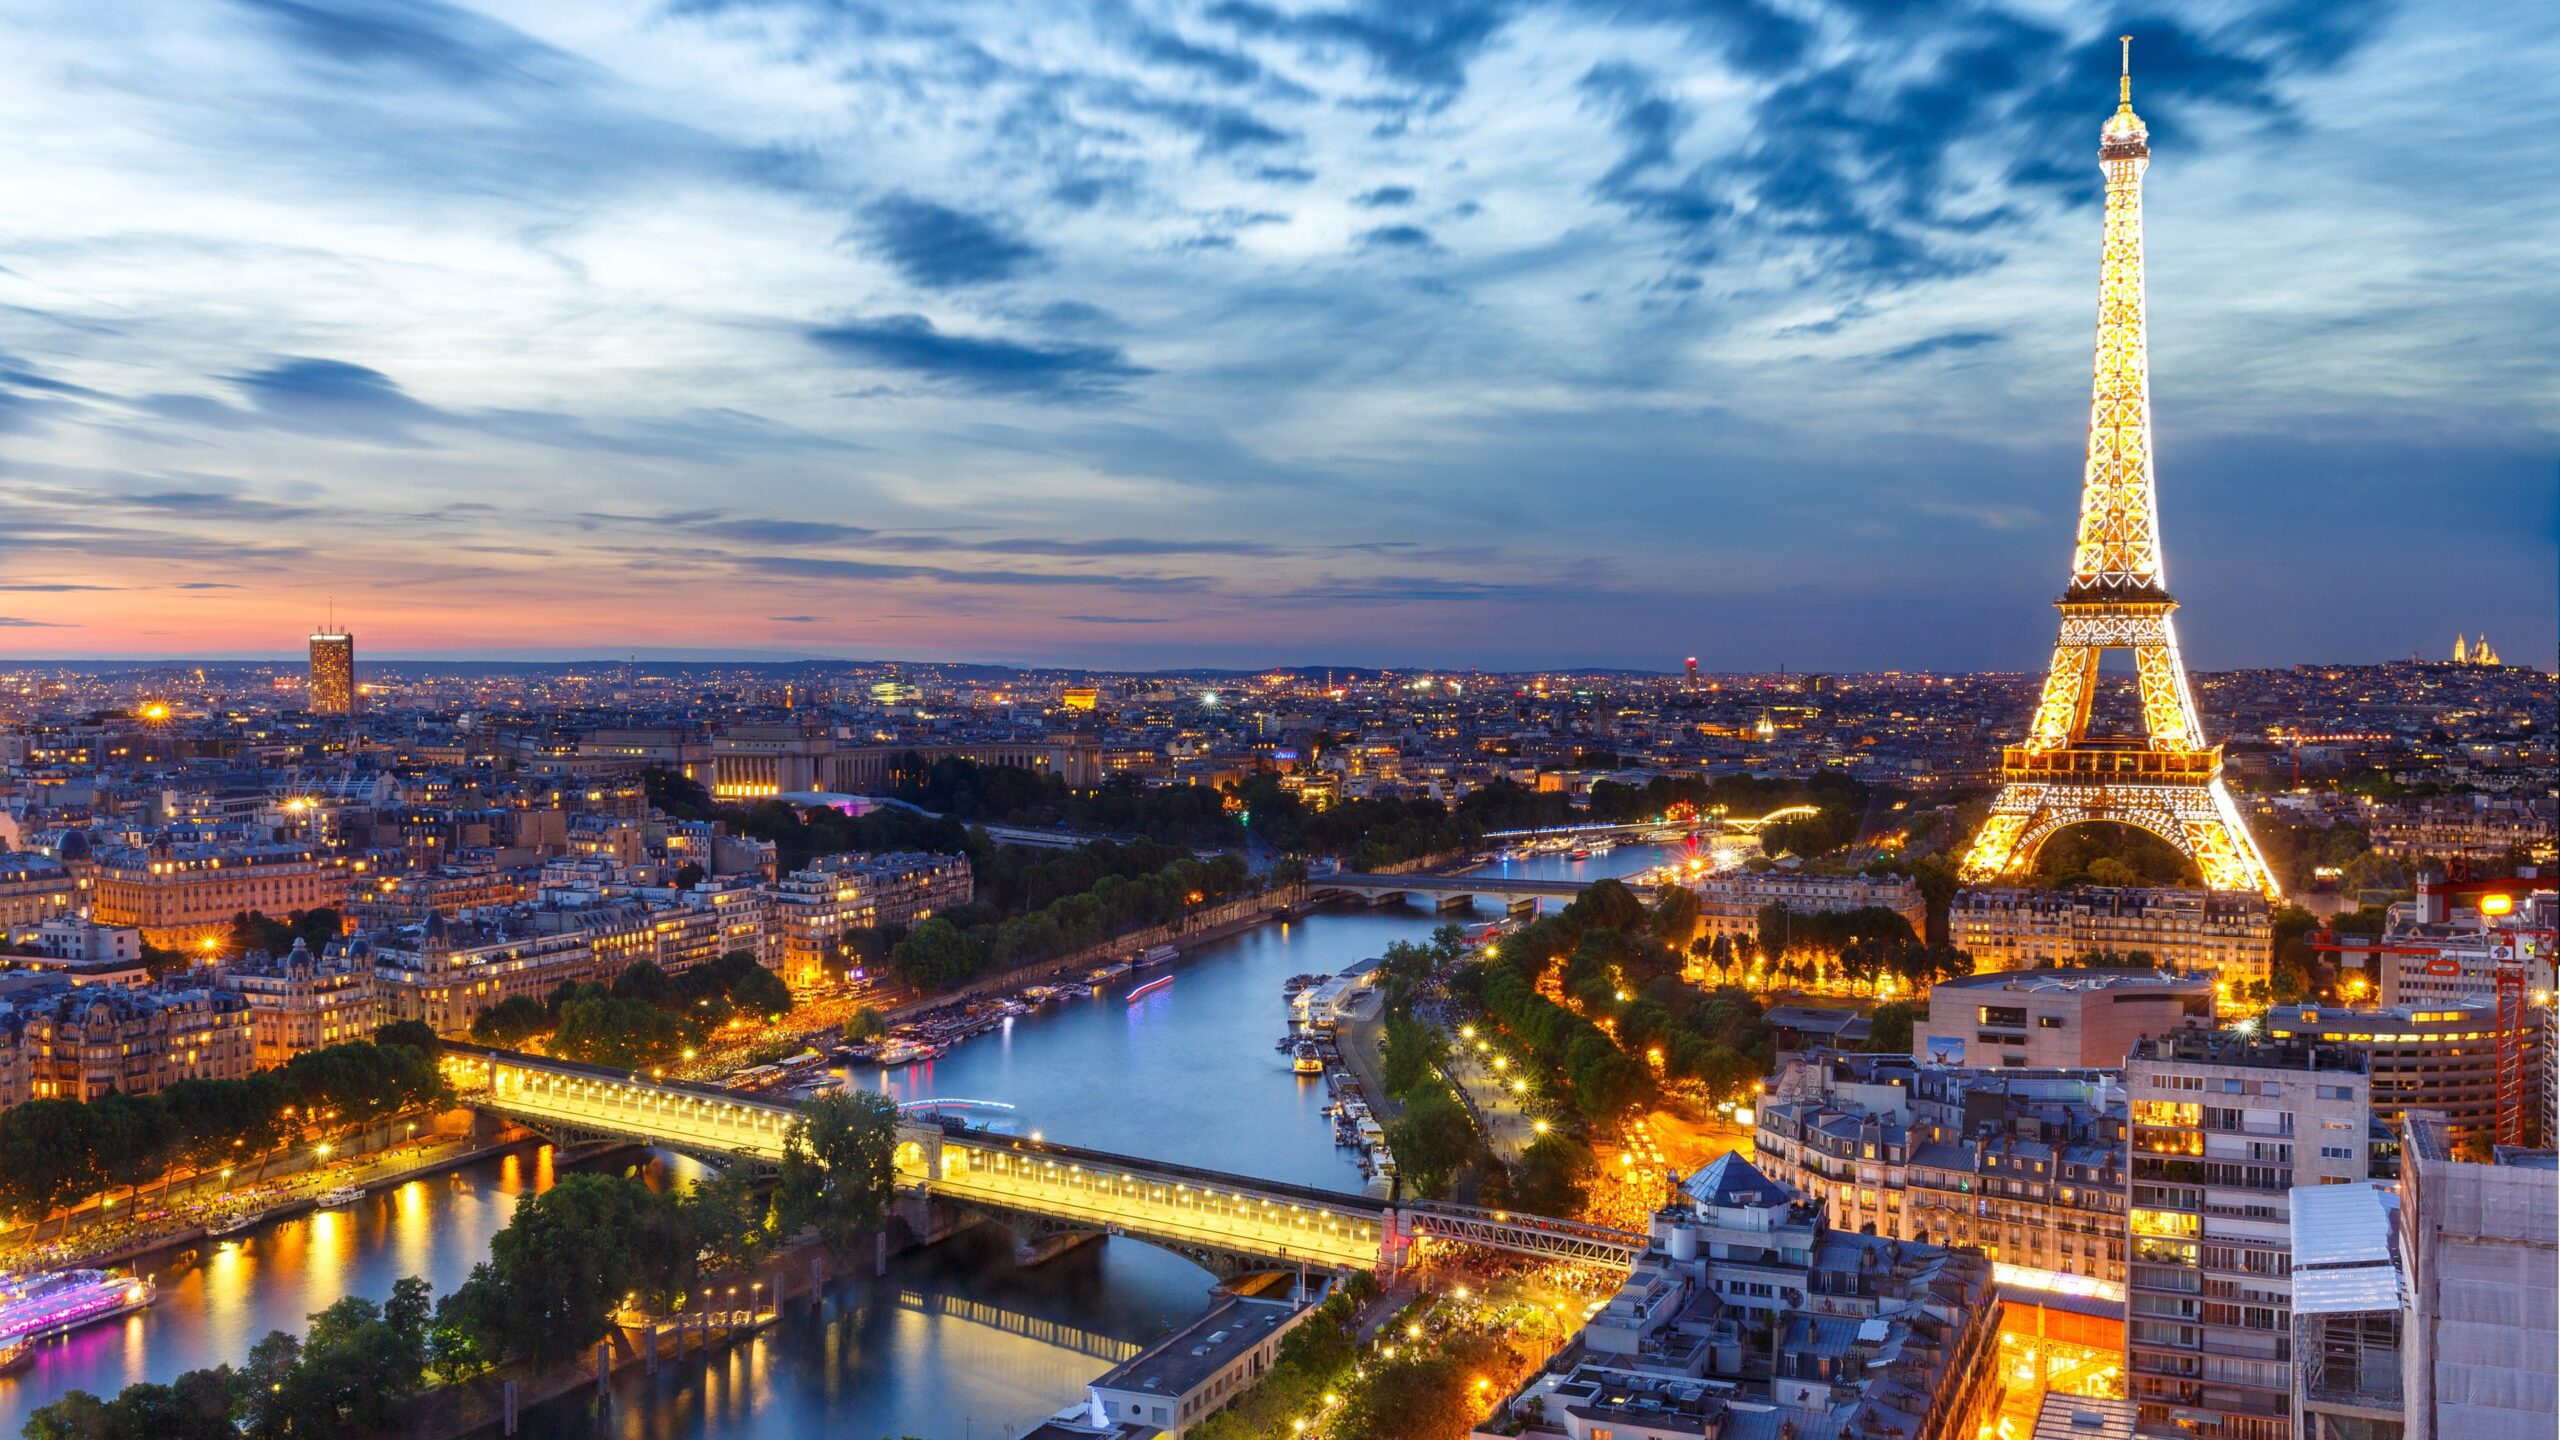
point(821, 1023)
point(166, 1222)
point(1213, 922)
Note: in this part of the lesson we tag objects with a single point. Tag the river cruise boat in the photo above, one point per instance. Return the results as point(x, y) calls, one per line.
point(231, 1224)
point(1306, 1061)
point(902, 1050)
point(341, 1196)
point(42, 1306)
point(1155, 955)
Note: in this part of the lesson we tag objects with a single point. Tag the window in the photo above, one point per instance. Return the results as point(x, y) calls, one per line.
point(2048, 1022)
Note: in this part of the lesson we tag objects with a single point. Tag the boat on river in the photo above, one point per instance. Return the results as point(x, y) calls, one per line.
point(233, 1223)
point(905, 1050)
point(341, 1196)
point(42, 1306)
point(1155, 955)
point(1306, 1061)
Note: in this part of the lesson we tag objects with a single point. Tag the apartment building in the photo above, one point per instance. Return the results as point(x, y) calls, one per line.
point(2025, 1166)
point(444, 972)
point(35, 888)
point(2227, 934)
point(1730, 904)
point(79, 1042)
point(1750, 1317)
point(410, 896)
point(2484, 828)
point(301, 1001)
point(2222, 1126)
point(2068, 1018)
point(180, 893)
point(810, 911)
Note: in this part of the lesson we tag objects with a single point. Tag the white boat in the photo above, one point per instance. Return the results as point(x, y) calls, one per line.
point(1155, 955)
point(904, 1051)
point(231, 1224)
point(343, 1195)
point(42, 1306)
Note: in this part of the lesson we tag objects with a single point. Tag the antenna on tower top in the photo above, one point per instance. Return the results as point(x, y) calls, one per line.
point(2124, 86)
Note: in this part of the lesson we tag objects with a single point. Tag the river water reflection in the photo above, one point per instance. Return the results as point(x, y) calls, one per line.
point(954, 1342)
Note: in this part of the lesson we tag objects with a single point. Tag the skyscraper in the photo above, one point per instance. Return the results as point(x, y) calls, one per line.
point(333, 673)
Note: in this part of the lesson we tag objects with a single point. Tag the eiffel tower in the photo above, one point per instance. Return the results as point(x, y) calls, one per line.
point(2168, 781)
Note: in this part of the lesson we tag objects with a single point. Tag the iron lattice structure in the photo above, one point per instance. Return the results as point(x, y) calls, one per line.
point(2168, 781)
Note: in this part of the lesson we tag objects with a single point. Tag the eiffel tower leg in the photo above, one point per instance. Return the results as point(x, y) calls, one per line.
point(1997, 851)
point(2069, 688)
point(2168, 708)
point(2224, 852)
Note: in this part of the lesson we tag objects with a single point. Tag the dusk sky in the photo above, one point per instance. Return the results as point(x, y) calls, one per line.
point(1424, 332)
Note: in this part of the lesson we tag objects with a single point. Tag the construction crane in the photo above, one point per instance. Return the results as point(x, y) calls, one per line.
point(2512, 952)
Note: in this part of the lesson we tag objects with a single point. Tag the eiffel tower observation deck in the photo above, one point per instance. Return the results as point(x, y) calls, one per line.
point(2166, 780)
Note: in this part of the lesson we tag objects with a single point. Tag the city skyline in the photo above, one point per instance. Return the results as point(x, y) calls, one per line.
point(1494, 338)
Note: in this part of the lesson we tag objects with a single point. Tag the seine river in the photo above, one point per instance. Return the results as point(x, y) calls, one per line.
point(955, 1342)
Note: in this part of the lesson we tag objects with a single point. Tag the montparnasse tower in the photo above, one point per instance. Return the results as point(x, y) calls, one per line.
point(2167, 780)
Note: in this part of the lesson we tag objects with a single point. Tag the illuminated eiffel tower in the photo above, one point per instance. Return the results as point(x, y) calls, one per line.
point(2168, 781)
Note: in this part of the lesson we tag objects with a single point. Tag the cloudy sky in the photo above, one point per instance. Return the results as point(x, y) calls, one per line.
point(1455, 332)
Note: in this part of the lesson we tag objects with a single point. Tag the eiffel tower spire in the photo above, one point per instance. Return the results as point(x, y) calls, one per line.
point(2119, 547)
point(2167, 780)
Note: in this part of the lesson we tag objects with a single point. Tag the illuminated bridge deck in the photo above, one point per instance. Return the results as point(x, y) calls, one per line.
point(1192, 1211)
point(1174, 1205)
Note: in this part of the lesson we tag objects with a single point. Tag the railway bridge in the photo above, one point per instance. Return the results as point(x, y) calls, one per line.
point(949, 1174)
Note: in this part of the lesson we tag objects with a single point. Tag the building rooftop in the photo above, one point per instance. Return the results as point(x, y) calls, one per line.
point(1184, 1360)
point(2232, 1047)
point(2091, 978)
point(1731, 1180)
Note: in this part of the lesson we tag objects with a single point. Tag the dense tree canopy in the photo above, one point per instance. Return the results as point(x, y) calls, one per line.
point(54, 1152)
point(838, 1166)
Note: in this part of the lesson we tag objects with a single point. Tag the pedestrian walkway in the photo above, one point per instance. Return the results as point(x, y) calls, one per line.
point(1509, 1128)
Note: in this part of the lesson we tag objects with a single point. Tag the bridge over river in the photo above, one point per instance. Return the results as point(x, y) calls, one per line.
point(1452, 890)
point(1040, 1189)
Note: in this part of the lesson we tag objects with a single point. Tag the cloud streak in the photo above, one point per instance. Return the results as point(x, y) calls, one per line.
point(1396, 331)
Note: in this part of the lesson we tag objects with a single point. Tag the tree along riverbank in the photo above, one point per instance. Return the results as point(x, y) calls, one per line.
point(590, 1260)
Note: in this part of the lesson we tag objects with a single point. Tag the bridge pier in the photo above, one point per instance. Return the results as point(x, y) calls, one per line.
point(1384, 898)
point(1028, 1252)
point(1524, 907)
point(930, 1221)
point(1446, 904)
